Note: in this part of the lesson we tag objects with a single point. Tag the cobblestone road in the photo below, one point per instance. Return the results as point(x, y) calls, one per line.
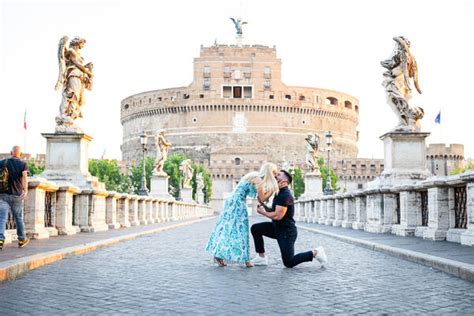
point(170, 273)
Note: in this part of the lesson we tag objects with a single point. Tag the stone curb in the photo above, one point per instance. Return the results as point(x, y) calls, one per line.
point(459, 269)
point(11, 269)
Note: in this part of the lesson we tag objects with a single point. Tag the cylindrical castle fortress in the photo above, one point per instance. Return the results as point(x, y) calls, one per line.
point(237, 113)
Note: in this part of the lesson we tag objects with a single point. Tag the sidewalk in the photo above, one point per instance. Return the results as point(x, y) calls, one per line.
point(16, 261)
point(446, 256)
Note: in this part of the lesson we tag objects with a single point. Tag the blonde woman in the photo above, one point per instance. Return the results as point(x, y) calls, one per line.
point(229, 242)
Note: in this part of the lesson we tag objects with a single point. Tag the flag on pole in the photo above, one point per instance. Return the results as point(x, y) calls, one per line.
point(438, 118)
point(24, 120)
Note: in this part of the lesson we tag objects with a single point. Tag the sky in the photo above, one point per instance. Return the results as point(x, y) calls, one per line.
point(139, 45)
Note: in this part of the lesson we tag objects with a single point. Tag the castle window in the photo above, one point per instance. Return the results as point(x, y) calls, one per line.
point(316, 98)
point(288, 97)
point(227, 72)
point(237, 74)
point(186, 96)
point(126, 106)
point(303, 122)
point(302, 98)
point(267, 72)
point(226, 92)
point(237, 161)
point(267, 84)
point(348, 104)
point(248, 92)
point(149, 100)
point(195, 120)
point(201, 96)
point(237, 92)
point(207, 84)
point(207, 72)
point(271, 97)
point(160, 98)
point(331, 101)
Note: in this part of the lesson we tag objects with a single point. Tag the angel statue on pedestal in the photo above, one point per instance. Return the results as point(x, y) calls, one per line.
point(74, 77)
point(311, 159)
point(401, 66)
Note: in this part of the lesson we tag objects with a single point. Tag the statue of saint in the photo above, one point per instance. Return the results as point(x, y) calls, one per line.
point(74, 77)
point(311, 159)
point(401, 66)
point(162, 148)
point(238, 23)
point(199, 182)
point(187, 173)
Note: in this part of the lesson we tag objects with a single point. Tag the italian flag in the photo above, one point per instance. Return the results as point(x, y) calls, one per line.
point(24, 120)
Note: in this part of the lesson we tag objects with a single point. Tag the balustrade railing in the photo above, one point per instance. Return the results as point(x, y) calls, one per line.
point(460, 210)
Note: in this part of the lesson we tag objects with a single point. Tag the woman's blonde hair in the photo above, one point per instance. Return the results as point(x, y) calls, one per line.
point(264, 179)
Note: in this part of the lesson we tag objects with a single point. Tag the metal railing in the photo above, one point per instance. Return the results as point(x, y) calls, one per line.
point(460, 210)
point(424, 208)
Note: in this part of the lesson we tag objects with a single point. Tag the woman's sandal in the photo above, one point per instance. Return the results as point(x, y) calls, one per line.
point(220, 262)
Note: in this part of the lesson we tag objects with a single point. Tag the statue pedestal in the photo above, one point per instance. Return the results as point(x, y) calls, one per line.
point(200, 197)
point(313, 187)
point(159, 186)
point(67, 162)
point(405, 159)
point(187, 195)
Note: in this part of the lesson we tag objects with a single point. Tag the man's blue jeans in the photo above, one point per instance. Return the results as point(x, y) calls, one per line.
point(14, 204)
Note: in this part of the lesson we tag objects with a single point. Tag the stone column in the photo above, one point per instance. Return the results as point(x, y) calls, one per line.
point(297, 210)
point(375, 207)
point(150, 218)
point(64, 209)
point(467, 238)
point(410, 212)
point(390, 209)
point(349, 211)
point(111, 209)
point(324, 211)
point(124, 210)
point(438, 210)
point(317, 211)
point(361, 211)
point(142, 210)
point(34, 209)
point(90, 210)
point(330, 211)
point(338, 210)
point(133, 210)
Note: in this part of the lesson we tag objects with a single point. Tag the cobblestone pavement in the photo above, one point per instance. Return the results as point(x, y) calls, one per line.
point(170, 273)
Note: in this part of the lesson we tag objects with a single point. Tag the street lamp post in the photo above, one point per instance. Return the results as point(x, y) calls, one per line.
point(328, 189)
point(143, 189)
point(292, 172)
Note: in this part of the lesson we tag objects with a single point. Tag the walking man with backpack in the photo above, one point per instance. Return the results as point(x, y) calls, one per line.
point(13, 190)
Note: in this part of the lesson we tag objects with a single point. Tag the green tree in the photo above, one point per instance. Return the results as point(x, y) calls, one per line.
point(298, 182)
point(35, 168)
point(108, 172)
point(206, 175)
point(324, 171)
point(462, 170)
point(135, 174)
point(171, 167)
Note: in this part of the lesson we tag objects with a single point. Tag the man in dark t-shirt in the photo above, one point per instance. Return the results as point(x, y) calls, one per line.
point(13, 199)
point(282, 228)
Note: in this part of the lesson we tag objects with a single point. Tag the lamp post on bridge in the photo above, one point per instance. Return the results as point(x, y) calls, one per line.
point(328, 189)
point(143, 141)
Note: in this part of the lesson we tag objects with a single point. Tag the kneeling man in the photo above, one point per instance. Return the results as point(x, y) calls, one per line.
point(282, 228)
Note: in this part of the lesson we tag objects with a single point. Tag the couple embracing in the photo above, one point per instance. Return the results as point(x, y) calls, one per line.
point(229, 241)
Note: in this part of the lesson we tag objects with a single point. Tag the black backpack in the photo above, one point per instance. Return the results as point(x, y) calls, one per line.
point(4, 187)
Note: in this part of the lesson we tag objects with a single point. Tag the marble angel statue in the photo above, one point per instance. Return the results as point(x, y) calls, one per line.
point(312, 144)
point(401, 67)
point(74, 77)
point(162, 148)
point(187, 172)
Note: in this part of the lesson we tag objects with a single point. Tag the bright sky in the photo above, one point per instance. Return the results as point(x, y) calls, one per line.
point(139, 45)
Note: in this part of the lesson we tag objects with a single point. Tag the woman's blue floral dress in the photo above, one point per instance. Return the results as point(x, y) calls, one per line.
point(230, 238)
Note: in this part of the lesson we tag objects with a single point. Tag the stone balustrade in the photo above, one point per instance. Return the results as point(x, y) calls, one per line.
point(63, 209)
point(439, 208)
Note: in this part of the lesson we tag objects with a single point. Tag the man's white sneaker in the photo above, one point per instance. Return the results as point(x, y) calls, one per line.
point(260, 261)
point(321, 256)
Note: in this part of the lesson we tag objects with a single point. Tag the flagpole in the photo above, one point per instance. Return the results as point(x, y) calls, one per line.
point(25, 150)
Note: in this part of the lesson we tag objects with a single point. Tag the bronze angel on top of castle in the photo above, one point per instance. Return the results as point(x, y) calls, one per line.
point(74, 77)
